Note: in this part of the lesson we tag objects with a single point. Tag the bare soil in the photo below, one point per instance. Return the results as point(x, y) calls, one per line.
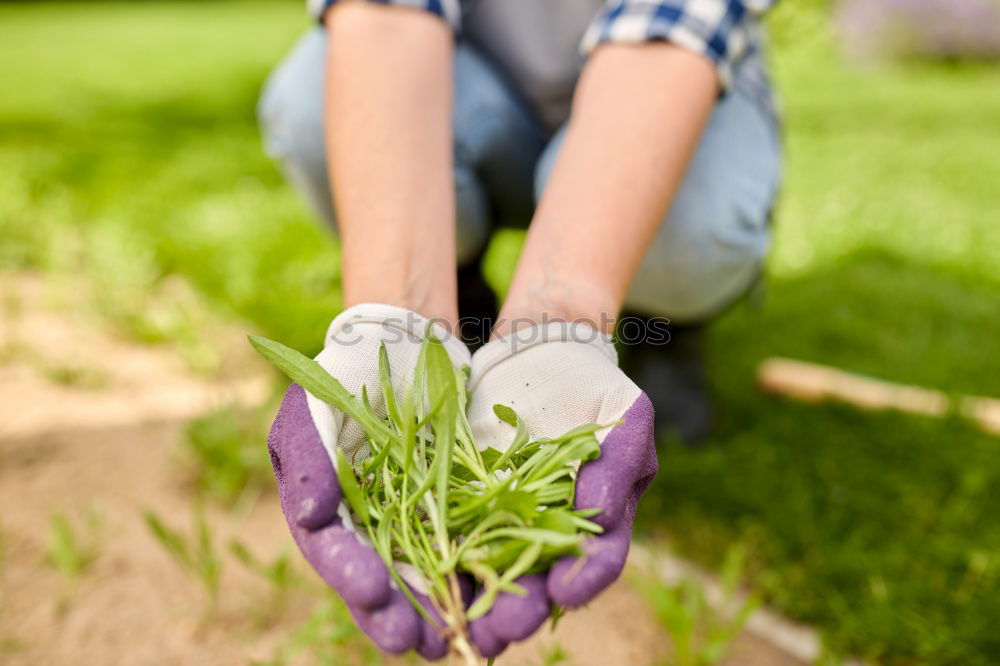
point(109, 442)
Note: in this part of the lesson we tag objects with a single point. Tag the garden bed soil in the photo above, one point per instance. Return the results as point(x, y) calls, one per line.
point(111, 445)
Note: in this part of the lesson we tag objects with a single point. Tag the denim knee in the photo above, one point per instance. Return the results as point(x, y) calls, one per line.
point(290, 114)
point(707, 254)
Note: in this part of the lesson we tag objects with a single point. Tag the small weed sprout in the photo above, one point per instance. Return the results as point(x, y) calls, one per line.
point(224, 449)
point(553, 655)
point(196, 555)
point(73, 552)
point(75, 376)
point(151, 305)
point(10, 334)
point(329, 637)
point(279, 575)
point(701, 630)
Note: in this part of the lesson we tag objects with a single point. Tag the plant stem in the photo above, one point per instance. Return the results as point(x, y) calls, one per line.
point(463, 652)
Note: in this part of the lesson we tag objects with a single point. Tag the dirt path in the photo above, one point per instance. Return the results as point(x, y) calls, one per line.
point(111, 447)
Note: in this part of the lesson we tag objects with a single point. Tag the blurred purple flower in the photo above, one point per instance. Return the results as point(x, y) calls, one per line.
point(920, 28)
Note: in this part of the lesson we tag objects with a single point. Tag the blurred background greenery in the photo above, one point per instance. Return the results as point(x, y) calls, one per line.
point(131, 158)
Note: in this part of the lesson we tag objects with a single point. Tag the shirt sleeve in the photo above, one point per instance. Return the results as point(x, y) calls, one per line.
point(448, 10)
point(722, 30)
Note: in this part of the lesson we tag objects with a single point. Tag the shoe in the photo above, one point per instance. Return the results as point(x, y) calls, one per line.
point(673, 376)
point(477, 305)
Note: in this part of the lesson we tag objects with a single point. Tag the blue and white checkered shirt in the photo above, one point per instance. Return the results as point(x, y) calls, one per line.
point(726, 31)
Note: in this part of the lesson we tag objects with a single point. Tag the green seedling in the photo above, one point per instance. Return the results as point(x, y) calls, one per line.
point(224, 447)
point(75, 376)
point(279, 575)
point(71, 551)
point(701, 632)
point(150, 304)
point(12, 346)
point(72, 375)
point(553, 655)
point(426, 496)
point(196, 555)
point(9, 645)
point(329, 637)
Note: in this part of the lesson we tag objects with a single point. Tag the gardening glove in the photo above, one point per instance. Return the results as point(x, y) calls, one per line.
point(302, 444)
point(557, 377)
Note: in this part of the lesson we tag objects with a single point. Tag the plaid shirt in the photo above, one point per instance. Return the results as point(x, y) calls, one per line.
point(726, 31)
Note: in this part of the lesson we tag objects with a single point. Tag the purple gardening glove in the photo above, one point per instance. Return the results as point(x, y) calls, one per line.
point(557, 377)
point(303, 438)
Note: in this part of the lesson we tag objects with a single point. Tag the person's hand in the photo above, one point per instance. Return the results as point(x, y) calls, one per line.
point(558, 377)
point(302, 441)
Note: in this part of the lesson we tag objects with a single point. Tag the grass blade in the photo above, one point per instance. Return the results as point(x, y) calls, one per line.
point(350, 488)
point(524, 562)
point(509, 416)
point(311, 376)
point(385, 379)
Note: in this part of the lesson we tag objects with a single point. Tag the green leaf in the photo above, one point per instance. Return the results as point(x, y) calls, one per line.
point(520, 435)
point(441, 388)
point(490, 456)
point(350, 488)
point(314, 378)
point(462, 473)
point(384, 530)
point(483, 604)
point(171, 540)
point(376, 461)
point(65, 550)
point(584, 525)
point(555, 493)
point(505, 414)
point(558, 612)
point(524, 562)
point(520, 503)
point(244, 556)
point(542, 536)
point(551, 459)
point(556, 519)
point(385, 379)
point(479, 501)
point(500, 554)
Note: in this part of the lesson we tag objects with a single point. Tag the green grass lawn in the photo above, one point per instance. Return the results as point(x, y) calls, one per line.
point(131, 147)
point(130, 154)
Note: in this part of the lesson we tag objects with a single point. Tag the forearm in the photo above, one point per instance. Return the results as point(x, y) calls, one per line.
point(638, 113)
point(388, 137)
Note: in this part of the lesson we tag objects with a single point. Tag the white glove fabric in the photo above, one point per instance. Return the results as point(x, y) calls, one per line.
point(350, 354)
point(556, 377)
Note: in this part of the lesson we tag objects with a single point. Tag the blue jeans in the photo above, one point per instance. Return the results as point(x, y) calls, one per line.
point(713, 240)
